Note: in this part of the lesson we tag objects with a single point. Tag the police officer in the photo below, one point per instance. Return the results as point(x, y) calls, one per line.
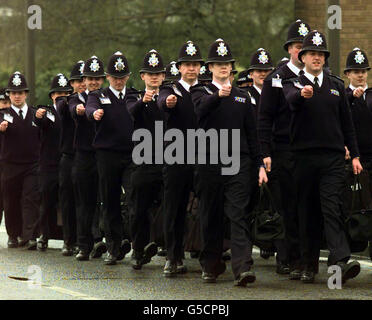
point(205, 76)
point(360, 100)
point(244, 79)
point(113, 144)
point(171, 73)
point(4, 104)
point(221, 106)
point(321, 125)
point(49, 122)
point(20, 154)
point(175, 100)
point(147, 177)
point(66, 186)
point(85, 166)
point(261, 65)
point(273, 134)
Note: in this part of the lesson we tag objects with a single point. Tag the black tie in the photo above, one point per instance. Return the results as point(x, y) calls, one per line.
point(316, 82)
point(21, 113)
point(120, 96)
point(301, 72)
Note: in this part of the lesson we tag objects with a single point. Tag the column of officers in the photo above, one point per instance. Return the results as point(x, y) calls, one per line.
point(74, 159)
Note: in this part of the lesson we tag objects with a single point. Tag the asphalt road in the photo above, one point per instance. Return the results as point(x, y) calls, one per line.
point(64, 278)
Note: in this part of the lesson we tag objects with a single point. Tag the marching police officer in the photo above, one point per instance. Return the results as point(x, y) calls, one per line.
point(175, 100)
point(147, 177)
point(321, 125)
point(244, 79)
point(85, 166)
point(220, 106)
point(171, 73)
point(261, 65)
point(49, 122)
point(4, 104)
point(66, 185)
point(113, 144)
point(273, 134)
point(360, 100)
point(20, 154)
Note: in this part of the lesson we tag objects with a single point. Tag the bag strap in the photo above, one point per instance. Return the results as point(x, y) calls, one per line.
point(355, 191)
point(264, 189)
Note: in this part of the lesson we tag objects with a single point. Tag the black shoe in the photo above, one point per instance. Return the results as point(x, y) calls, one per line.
point(181, 268)
point(349, 270)
point(31, 244)
point(170, 269)
point(295, 274)
point(82, 256)
point(226, 256)
point(110, 260)
point(137, 264)
point(266, 254)
point(12, 242)
point(150, 250)
point(194, 254)
point(21, 242)
point(98, 250)
point(282, 268)
point(162, 252)
point(42, 243)
point(244, 278)
point(124, 249)
point(208, 277)
point(67, 250)
point(307, 276)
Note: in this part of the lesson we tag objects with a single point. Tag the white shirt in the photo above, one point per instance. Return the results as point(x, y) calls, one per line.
point(24, 110)
point(311, 77)
point(116, 92)
point(293, 68)
point(55, 107)
point(219, 86)
point(186, 85)
point(259, 90)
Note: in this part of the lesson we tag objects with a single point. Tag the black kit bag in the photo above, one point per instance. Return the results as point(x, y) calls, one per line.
point(266, 224)
point(359, 223)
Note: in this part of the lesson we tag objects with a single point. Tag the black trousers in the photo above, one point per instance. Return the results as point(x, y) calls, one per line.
point(178, 182)
point(21, 200)
point(48, 181)
point(85, 179)
point(114, 170)
point(146, 183)
point(1, 194)
point(67, 199)
point(319, 176)
point(283, 187)
point(224, 195)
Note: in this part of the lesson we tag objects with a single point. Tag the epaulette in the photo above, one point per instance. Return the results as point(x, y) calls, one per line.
point(291, 80)
point(133, 90)
point(244, 91)
point(336, 78)
point(62, 98)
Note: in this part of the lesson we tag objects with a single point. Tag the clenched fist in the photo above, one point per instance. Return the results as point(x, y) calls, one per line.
point(358, 92)
point(307, 92)
point(3, 126)
point(225, 90)
point(148, 96)
point(98, 114)
point(40, 113)
point(80, 109)
point(171, 101)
